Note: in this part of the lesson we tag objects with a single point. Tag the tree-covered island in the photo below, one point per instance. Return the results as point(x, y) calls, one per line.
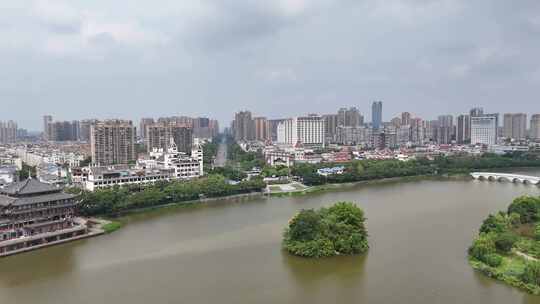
point(508, 245)
point(338, 230)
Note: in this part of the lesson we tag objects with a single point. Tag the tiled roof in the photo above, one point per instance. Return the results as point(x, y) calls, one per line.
point(29, 186)
point(42, 198)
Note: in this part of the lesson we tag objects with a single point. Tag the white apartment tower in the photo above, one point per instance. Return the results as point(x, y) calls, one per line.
point(484, 129)
point(308, 130)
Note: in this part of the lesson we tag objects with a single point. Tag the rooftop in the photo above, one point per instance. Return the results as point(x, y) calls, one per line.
point(29, 186)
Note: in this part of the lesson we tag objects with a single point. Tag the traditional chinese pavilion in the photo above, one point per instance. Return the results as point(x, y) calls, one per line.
point(35, 214)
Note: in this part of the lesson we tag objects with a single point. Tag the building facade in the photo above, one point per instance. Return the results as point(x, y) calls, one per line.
point(515, 126)
point(535, 127)
point(33, 214)
point(8, 132)
point(262, 128)
point(306, 130)
point(376, 114)
point(113, 142)
point(484, 129)
point(158, 135)
point(463, 129)
point(243, 127)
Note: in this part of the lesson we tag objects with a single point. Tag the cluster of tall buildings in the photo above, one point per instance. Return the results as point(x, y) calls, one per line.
point(202, 127)
point(61, 130)
point(348, 127)
point(8, 132)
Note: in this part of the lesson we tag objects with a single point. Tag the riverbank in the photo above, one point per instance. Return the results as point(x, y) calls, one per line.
point(330, 187)
point(508, 245)
point(341, 186)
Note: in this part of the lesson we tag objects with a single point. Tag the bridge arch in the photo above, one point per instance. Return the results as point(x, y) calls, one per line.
point(514, 178)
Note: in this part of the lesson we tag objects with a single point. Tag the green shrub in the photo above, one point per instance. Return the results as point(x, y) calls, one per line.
point(537, 232)
point(482, 246)
point(492, 259)
point(495, 223)
point(505, 241)
point(531, 275)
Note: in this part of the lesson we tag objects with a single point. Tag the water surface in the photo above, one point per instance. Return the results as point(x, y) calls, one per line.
point(229, 253)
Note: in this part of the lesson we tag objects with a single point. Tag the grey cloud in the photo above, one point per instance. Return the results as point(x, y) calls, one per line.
point(426, 57)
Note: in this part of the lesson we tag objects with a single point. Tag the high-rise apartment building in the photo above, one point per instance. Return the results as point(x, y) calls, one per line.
point(60, 130)
point(113, 142)
point(331, 123)
point(350, 117)
point(273, 125)
point(47, 121)
point(204, 127)
point(376, 114)
point(262, 128)
point(243, 127)
point(445, 131)
point(417, 131)
point(85, 126)
point(405, 118)
point(8, 132)
point(484, 129)
point(142, 126)
point(431, 128)
point(515, 125)
point(158, 135)
point(476, 112)
point(463, 130)
point(307, 130)
point(535, 127)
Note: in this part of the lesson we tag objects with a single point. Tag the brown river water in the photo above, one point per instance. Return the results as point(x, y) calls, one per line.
point(229, 252)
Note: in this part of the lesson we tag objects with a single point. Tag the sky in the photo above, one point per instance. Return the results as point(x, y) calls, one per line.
point(129, 59)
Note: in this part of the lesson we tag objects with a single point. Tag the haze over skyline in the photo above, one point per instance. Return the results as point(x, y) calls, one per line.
point(105, 59)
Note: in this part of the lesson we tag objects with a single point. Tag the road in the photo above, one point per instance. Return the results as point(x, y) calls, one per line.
point(221, 157)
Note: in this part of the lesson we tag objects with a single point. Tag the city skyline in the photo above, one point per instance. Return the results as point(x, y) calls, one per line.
point(366, 115)
point(76, 61)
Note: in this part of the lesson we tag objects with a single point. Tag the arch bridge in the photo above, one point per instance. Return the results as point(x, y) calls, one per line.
point(514, 178)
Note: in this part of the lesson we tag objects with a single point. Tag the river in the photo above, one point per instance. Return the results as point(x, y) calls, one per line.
point(229, 252)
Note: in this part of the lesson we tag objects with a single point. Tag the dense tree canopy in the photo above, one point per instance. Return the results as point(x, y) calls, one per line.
point(327, 232)
point(361, 170)
point(118, 199)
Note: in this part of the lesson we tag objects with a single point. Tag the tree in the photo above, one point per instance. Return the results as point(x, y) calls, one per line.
point(505, 241)
point(305, 226)
point(326, 232)
point(527, 208)
point(495, 223)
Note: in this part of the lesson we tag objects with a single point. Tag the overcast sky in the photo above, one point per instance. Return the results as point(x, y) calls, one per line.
point(79, 59)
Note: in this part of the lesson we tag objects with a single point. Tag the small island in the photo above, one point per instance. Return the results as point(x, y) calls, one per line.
point(338, 230)
point(508, 245)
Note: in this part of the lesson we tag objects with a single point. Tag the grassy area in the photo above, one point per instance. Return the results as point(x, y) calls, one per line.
point(111, 227)
point(298, 186)
point(275, 188)
point(529, 247)
point(510, 271)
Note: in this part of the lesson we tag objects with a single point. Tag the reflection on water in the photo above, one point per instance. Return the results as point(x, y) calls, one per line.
point(23, 269)
point(314, 277)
